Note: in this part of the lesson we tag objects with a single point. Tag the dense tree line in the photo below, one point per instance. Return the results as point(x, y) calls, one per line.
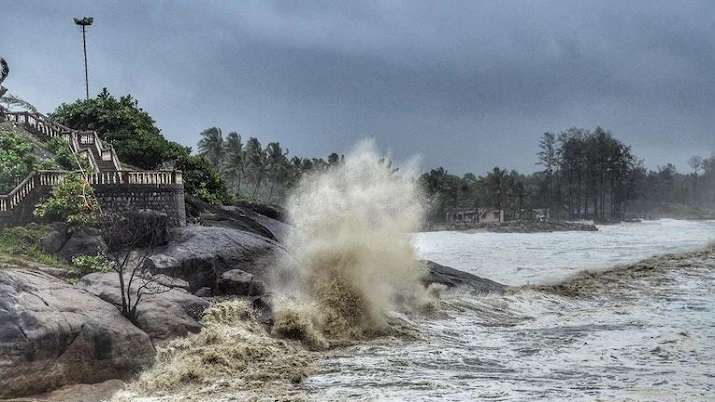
point(586, 174)
point(256, 172)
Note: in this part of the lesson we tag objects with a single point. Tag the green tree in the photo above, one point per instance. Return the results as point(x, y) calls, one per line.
point(211, 146)
point(202, 180)
point(16, 160)
point(122, 123)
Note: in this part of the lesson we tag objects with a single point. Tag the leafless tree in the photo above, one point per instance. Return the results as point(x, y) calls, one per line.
point(130, 241)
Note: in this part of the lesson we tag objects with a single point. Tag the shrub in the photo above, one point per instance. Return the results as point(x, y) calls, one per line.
point(72, 201)
point(87, 264)
point(202, 180)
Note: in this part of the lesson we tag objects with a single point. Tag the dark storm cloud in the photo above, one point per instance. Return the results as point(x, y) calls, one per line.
point(468, 85)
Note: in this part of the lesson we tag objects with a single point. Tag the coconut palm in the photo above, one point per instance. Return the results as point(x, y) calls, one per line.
point(211, 146)
point(233, 158)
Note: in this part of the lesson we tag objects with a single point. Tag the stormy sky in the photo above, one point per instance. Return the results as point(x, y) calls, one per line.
point(466, 85)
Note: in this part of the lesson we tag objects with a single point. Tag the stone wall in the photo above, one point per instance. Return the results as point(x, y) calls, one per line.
point(167, 198)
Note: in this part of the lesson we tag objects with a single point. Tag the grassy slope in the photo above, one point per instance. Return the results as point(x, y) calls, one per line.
point(20, 247)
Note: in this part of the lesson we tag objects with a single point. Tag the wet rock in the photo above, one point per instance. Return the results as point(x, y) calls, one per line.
point(102, 391)
point(451, 277)
point(240, 283)
point(254, 218)
point(204, 292)
point(263, 309)
point(53, 334)
point(200, 255)
point(163, 312)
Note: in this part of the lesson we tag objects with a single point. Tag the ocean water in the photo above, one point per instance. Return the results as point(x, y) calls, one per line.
point(627, 337)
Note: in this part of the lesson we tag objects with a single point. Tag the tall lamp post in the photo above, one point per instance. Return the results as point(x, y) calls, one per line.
point(84, 22)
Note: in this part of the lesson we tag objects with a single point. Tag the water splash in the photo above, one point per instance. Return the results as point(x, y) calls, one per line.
point(351, 254)
point(232, 357)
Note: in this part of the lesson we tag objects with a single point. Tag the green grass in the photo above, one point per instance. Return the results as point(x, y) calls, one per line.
point(20, 245)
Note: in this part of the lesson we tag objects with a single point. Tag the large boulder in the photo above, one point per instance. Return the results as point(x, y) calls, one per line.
point(259, 219)
point(53, 241)
point(82, 241)
point(200, 254)
point(164, 311)
point(53, 334)
point(451, 278)
point(240, 283)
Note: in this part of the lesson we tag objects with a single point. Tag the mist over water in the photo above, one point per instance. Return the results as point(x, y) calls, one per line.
point(350, 250)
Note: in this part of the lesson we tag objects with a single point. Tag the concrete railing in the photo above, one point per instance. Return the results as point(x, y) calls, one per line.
point(47, 129)
point(15, 197)
point(52, 178)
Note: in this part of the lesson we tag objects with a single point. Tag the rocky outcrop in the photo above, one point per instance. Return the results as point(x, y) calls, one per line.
point(451, 278)
point(540, 227)
point(200, 255)
point(164, 312)
point(53, 334)
point(70, 243)
point(240, 283)
point(254, 218)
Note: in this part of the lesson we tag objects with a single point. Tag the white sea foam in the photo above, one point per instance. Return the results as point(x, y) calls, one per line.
point(632, 337)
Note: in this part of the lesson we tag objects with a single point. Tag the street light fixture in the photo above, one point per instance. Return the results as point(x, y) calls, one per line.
point(84, 23)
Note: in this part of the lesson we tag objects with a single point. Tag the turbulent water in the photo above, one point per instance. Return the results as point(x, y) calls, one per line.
point(353, 321)
point(623, 336)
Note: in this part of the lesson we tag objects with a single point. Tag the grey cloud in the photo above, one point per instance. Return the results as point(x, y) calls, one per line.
point(466, 84)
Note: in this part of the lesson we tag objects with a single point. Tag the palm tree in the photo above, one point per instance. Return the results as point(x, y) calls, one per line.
point(254, 164)
point(277, 165)
point(211, 146)
point(233, 161)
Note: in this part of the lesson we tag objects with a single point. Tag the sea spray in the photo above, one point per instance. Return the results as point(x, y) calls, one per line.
point(351, 256)
point(232, 357)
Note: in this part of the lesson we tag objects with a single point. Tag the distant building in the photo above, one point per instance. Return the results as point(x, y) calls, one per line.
point(471, 216)
point(542, 214)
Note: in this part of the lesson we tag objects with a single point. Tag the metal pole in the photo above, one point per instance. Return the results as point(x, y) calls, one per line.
point(86, 73)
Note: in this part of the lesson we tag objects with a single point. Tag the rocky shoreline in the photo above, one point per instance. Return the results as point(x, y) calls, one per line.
point(59, 334)
point(520, 227)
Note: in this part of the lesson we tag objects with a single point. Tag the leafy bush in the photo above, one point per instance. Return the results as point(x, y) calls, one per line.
point(87, 264)
point(202, 180)
point(72, 201)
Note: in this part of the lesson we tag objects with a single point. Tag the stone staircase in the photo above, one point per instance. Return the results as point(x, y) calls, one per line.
point(106, 173)
point(86, 144)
